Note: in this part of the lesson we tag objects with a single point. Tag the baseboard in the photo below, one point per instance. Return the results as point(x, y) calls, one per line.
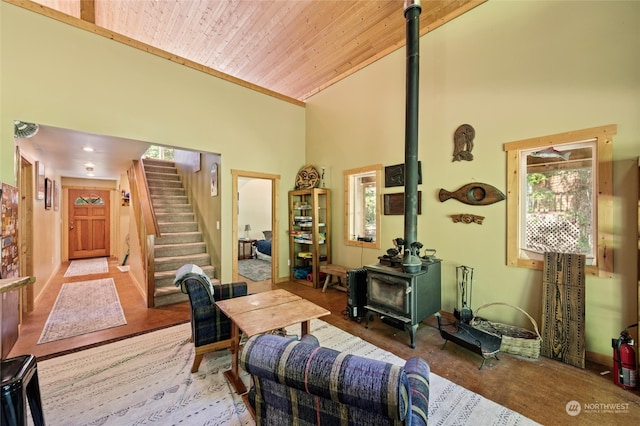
point(598, 358)
point(138, 285)
point(46, 284)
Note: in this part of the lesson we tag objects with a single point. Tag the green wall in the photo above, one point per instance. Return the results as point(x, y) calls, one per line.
point(56, 74)
point(513, 70)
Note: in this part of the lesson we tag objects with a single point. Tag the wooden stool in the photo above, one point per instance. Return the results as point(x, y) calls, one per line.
point(19, 385)
point(340, 272)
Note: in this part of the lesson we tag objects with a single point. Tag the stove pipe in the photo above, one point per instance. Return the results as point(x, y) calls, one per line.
point(412, 14)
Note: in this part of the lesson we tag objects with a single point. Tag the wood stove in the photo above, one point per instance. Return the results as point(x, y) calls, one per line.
point(403, 299)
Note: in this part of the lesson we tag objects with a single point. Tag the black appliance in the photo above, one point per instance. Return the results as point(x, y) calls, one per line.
point(403, 299)
point(356, 293)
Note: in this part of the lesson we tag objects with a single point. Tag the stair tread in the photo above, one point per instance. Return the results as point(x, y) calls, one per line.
point(173, 209)
point(166, 223)
point(172, 273)
point(173, 234)
point(170, 258)
point(191, 243)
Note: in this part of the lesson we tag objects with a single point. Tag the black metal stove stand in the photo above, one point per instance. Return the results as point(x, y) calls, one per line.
point(474, 339)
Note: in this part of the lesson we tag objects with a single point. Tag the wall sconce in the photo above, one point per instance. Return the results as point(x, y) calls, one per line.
point(247, 228)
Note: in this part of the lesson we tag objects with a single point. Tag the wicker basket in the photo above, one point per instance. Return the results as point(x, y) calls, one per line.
point(515, 340)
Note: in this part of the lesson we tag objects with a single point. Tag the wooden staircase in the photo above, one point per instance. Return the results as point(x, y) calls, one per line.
point(181, 241)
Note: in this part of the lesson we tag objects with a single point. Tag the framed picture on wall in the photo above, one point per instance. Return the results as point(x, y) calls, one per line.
point(394, 203)
point(214, 180)
point(39, 180)
point(197, 157)
point(394, 175)
point(48, 193)
point(56, 196)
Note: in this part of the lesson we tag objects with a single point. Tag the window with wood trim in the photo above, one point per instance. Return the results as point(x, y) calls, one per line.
point(362, 208)
point(559, 198)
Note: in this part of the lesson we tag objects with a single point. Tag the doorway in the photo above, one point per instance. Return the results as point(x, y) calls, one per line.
point(243, 238)
point(25, 230)
point(89, 223)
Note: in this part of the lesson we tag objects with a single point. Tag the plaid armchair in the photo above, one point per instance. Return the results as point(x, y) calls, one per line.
point(210, 328)
point(316, 385)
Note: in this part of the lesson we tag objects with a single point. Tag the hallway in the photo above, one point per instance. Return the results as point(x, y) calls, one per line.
point(139, 318)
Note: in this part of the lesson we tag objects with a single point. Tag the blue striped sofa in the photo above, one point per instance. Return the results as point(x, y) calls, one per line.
point(302, 383)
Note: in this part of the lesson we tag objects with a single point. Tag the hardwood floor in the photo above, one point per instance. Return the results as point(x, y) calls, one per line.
point(539, 389)
point(139, 318)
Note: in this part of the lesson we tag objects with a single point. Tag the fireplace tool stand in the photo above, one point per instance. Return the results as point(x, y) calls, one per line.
point(464, 281)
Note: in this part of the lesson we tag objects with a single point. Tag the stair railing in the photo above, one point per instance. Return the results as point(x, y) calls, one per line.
point(147, 224)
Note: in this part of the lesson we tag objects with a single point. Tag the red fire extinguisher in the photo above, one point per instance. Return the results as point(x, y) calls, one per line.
point(625, 370)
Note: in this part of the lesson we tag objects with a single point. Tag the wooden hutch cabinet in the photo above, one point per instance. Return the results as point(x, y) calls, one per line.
point(309, 234)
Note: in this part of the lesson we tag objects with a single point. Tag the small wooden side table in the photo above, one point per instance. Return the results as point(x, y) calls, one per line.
point(245, 249)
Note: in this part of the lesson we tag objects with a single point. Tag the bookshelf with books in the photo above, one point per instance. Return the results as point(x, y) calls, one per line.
point(309, 234)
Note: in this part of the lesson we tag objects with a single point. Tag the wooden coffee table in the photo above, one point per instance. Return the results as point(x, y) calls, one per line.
point(261, 313)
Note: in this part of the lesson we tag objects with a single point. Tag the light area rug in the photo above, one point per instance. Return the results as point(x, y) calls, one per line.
point(83, 307)
point(255, 269)
point(87, 267)
point(147, 380)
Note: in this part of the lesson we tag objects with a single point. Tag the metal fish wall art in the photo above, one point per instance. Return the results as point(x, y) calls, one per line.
point(475, 194)
point(551, 152)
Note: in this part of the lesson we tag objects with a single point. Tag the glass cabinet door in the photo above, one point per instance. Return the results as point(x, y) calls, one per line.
point(309, 215)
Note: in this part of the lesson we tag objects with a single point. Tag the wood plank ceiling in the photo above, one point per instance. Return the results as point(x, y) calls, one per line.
point(294, 48)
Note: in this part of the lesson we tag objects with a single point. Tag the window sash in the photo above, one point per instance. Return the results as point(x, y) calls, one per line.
point(545, 168)
point(356, 182)
point(603, 203)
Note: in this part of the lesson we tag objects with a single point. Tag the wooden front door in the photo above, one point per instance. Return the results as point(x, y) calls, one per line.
point(88, 223)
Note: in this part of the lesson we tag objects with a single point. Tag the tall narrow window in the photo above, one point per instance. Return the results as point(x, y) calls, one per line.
point(559, 198)
point(362, 221)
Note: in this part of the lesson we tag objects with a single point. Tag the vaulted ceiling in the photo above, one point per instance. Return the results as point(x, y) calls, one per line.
point(290, 49)
point(293, 48)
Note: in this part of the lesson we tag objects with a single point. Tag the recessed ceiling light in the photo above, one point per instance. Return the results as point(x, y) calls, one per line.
point(89, 165)
point(88, 149)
